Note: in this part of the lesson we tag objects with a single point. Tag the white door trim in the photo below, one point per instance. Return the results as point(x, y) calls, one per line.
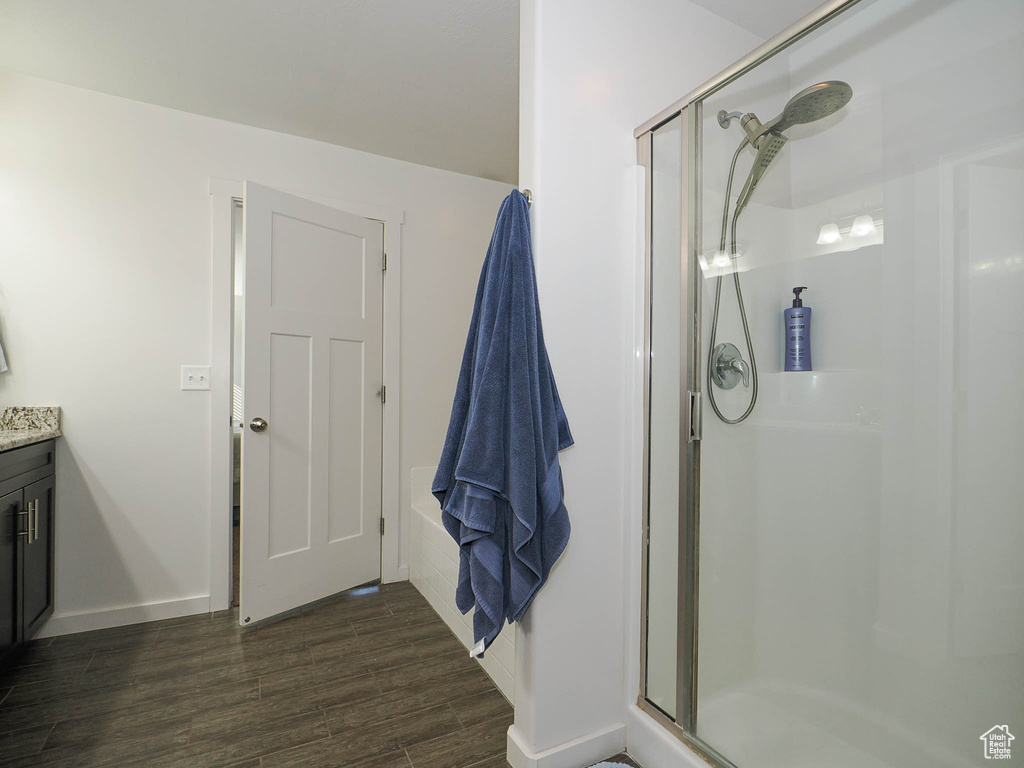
point(223, 193)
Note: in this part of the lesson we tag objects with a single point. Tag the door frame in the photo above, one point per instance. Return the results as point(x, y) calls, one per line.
point(223, 195)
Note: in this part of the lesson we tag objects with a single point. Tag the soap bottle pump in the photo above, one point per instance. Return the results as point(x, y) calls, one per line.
point(797, 322)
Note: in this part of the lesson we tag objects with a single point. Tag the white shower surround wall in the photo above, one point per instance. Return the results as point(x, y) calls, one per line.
point(434, 571)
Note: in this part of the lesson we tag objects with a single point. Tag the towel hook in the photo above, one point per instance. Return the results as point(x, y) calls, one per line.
point(529, 198)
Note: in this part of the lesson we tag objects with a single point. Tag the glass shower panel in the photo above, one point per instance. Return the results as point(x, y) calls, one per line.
point(861, 585)
point(663, 448)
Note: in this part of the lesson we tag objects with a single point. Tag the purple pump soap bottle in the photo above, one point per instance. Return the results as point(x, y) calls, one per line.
point(797, 322)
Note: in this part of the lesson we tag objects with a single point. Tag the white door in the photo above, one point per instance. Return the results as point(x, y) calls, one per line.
point(312, 370)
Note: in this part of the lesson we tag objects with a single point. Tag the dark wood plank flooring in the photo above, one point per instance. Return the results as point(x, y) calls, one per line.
point(374, 679)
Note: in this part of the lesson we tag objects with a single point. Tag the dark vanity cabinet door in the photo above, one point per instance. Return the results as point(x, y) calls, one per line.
point(11, 522)
point(26, 544)
point(37, 562)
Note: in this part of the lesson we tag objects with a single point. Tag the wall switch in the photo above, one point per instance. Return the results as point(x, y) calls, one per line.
point(195, 377)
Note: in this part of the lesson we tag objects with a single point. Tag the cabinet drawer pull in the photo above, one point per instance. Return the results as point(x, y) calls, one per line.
point(30, 530)
point(35, 508)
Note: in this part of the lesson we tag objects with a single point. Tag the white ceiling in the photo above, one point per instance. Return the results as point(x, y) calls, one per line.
point(764, 18)
point(429, 81)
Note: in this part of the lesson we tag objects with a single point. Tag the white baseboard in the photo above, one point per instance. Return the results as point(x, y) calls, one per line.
point(84, 621)
point(585, 750)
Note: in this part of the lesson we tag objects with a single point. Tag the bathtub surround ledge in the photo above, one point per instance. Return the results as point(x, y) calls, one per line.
point(434, 571)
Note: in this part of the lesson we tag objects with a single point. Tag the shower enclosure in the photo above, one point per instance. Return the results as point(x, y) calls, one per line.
point(834, 560)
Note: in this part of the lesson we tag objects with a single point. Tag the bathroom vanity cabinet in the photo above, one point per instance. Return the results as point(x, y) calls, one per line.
point(26, 544)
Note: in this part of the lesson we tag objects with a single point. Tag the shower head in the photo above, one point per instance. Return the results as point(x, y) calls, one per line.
point(810, 104)
point(813, 103)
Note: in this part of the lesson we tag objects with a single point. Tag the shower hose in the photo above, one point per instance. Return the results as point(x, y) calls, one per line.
point(739, 301)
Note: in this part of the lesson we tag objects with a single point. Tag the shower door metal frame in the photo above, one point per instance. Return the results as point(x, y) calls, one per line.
point(689, 447)
point(682, 723)
point(801, 28)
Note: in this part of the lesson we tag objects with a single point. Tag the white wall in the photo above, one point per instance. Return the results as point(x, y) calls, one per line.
point(105, 291)
point(590, 73)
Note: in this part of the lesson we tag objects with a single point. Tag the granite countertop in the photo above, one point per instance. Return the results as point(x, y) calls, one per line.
point(20, 426)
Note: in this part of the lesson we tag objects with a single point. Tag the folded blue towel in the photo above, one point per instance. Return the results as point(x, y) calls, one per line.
point(498, 480)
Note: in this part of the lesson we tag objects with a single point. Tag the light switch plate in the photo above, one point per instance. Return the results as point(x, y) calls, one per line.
point(195, 377)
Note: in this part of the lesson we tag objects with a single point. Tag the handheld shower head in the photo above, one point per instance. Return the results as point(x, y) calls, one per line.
point(768, 147)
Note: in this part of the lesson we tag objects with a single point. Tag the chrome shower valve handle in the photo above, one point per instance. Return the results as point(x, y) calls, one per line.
point(741, 367)
point(728, 367)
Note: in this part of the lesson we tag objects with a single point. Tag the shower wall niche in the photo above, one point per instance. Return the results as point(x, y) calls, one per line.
point(837, 579)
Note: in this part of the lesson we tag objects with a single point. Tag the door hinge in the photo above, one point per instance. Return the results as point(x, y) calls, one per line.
point(696, 428)
point(383, 394)
point(384, 263)
point(382, 526)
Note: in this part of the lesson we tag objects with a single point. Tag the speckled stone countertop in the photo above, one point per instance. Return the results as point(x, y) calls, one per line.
point(26, 425)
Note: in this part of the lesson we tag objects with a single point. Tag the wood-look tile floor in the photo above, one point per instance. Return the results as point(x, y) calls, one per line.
point(372, 680)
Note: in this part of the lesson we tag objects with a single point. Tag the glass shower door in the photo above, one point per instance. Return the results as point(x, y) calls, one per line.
point(854, 541)
point(860, 586)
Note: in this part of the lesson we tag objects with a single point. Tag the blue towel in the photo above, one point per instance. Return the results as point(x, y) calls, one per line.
point(498, 480)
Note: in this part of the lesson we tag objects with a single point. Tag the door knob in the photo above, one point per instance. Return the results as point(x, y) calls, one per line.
point(258, 425)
